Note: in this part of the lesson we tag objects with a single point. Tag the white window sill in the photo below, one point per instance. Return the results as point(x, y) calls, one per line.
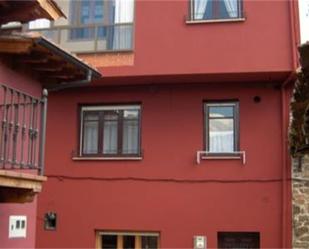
point(215, 20)
point(221, 157)
point(107, 158)
point(206, 155)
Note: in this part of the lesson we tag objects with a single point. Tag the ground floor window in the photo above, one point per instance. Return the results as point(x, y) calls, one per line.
point(239, 240)
point(123, 240)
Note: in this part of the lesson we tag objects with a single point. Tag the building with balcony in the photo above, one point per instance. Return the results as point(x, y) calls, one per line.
point(28, 65)
point(183, 142)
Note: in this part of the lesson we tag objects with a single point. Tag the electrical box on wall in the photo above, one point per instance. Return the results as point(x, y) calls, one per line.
point(199, 242)
point(17, 226)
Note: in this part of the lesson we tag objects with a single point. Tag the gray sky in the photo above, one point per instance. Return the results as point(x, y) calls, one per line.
point(304, 20)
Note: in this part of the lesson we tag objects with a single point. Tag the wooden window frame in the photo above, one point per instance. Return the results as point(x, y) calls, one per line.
point(100, 109)
point(138, 238)
point(253, 236)
point(235, 105)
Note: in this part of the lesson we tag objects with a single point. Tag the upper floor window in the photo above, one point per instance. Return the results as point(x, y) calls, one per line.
point(216, 9)
point(109, 20)
point(83, 13)
point(110, 131)
point(221, 127)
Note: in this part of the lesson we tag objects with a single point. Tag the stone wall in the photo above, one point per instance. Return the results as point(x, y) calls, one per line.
point(300, 185)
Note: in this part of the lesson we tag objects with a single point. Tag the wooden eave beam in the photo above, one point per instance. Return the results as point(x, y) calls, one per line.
point(47, 69)
point(23, 11)
point(4, 4)
point(60, 76)
point(51, 9)
point(15, 47)
point(28, 10)
point(18, 187)
point(30, 60)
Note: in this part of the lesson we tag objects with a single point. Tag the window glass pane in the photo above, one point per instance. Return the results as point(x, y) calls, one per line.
point(239, 240)
point(200, 9)
point(110, 137)
point(110, 116)
point(230, 8)
point(130, 114)
point(221, 111)
point(149, 242)
point(91, 117)
point(216, 9)
point(109, 241)
point(221, 135)
point(90, 138)
point(128, 242)
point(98, 11)
point(130, 138)
point(85, 12)
point(124, 10)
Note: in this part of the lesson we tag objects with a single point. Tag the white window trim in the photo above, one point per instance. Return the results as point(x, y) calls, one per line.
point(207, 155)
point(236, 131)
point(111, 107)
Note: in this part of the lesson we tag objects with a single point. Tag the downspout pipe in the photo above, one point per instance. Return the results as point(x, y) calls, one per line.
point(294, 26)
point(286, 160)
point(72, 84)
point(43, 132)
point(285, 156)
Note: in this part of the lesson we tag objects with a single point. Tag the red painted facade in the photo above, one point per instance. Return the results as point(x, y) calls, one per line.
point(26, 84)
point(176, 68)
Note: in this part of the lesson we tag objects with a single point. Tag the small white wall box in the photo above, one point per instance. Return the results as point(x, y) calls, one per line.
point(199, 242)
point(17, 226)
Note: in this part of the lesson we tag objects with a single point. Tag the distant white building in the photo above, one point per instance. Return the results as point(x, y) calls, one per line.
point(304, 20)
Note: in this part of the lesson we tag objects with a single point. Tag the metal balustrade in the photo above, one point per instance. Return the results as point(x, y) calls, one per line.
point(22, 130)
point(91, 38)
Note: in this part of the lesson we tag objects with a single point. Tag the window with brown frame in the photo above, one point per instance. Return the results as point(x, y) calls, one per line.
point(110, 131)
point(124, 240)
point(221, 127)
point(239, 240)
point(216, 9)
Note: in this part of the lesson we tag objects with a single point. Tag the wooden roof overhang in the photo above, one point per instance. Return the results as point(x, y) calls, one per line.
point(28, 10)
point(44, 60)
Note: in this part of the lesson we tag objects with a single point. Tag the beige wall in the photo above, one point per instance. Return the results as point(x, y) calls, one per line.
point(62, 36)
point(64, 5)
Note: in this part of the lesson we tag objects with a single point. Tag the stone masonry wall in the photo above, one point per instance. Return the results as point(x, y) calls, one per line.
point(300, 186)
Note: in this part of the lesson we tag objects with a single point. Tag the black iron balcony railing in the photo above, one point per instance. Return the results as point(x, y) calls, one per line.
point(91, 38)
point(22, 130)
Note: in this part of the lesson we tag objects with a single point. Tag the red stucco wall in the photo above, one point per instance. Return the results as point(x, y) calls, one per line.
point(163, 195)
point(27, 209)
point(24, 83)
point(166, 197)
point(20, 81)
point(165, 45)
